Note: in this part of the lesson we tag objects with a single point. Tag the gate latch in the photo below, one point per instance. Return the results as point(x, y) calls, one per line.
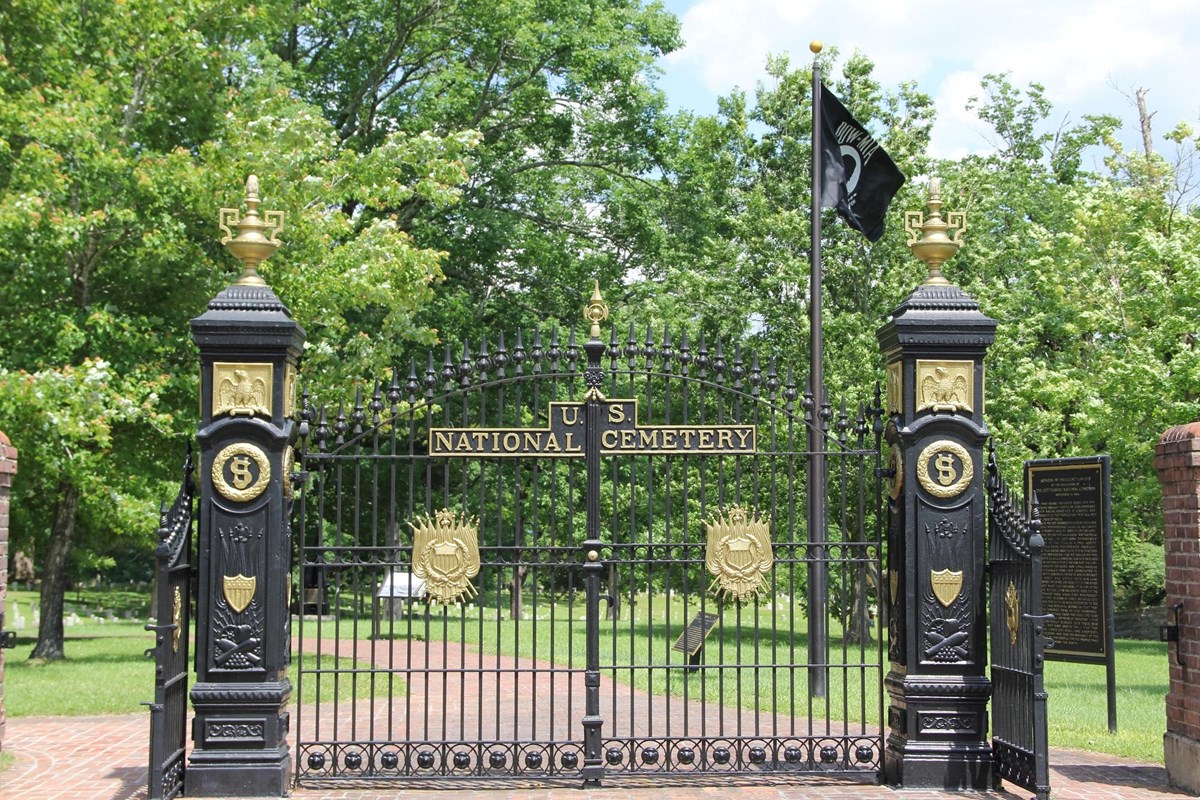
point(8, 640)
point(1170, 633)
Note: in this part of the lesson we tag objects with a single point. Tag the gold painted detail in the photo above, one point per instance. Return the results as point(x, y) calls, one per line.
point(446, 555)
point(1012, 611)
point(176, 620)
point(596, 311)
point(895, 388)
point(927, 235)
point(738, 553)
point(946, 585)
point(953, 466)
point(620, 434)
point(894, 582)
point(289, 390)
point(252, 245)
point(289, 466)
point(241, 472)
point(895, 465)
point(945, 385)
point(238, 590)
point(242, 389)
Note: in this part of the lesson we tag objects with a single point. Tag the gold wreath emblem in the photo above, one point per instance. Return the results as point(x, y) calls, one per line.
point(738, 553)
point(177, 620)
point(446, 555)
point(244, 485)
point(949, 481)
point(289, 466)
point(1012, 612)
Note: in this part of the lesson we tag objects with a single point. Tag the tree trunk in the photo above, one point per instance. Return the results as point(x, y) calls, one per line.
point(1144, 119)
point(54, 574)
point(858, 628)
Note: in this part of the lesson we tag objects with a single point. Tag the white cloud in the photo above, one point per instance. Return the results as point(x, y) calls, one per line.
point(1077, 49)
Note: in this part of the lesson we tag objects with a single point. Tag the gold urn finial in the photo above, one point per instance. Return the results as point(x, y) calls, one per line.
point(596, 311)
point(252, 245)
point(927, 236)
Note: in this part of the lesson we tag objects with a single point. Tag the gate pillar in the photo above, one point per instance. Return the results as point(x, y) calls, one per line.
point(936, 543)
point(249, 350)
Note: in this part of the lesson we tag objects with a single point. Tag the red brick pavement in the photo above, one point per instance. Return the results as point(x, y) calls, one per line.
point(104, 758)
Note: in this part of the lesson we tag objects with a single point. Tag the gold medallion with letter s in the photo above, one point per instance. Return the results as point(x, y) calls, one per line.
point(945, 469)
point(241, 472)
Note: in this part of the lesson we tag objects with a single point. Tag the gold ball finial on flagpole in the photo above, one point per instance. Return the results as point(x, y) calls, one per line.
point(927, 236)
point(816, 46)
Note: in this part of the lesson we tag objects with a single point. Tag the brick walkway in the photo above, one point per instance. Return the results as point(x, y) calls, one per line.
point(104, 758)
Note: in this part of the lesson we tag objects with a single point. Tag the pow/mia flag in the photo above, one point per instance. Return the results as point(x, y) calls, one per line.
point(858, 177)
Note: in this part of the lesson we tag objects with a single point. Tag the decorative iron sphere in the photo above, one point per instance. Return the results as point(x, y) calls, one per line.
point(613, 755)
point(864, 753)
point(686, 755)
point(425, 759)
point(757, 755)
point(569, 760)
point(316, 760)
point(497, 759)
point(650, 755)
point(353, 760)
point(721, 755)
point(829, 754)
point(389, 760)
point(533, 760)
point(792, 754)
point(462, 760)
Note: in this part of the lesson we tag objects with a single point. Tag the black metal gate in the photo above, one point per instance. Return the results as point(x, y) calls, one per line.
point(1018, 640)
point(500, 557)
point(168, 712)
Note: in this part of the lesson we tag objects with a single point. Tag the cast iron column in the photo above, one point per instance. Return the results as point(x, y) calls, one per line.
point(937, 684)
point(249, 350)
point(593, 766)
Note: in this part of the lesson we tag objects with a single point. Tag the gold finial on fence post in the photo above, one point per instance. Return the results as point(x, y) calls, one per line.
point(927, 236)
point(596, 311)
point(252, 245)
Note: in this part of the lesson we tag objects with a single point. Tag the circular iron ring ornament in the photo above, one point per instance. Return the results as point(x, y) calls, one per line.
point(945, 485)
point(245, 486)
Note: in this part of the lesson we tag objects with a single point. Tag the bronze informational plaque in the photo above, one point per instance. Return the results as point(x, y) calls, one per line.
point(1073, 500)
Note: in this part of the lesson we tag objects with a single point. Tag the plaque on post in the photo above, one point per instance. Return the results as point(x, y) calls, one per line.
point(1074, 501)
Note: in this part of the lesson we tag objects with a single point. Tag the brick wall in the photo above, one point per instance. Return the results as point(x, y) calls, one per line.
point(1177, 460)
point(8, 468)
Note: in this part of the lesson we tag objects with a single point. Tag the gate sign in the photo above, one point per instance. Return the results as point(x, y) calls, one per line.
point(619, 435)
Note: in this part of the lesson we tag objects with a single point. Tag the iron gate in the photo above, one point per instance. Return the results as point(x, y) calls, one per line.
point(173, 577)
point(1017, 634)
point(500, 557)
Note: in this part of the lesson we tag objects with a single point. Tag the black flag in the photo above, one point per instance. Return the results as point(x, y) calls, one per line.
point(858, 177)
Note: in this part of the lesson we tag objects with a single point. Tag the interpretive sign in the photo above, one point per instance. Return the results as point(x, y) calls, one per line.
point(693, 636)
point(1073, 501)
point(620, 434)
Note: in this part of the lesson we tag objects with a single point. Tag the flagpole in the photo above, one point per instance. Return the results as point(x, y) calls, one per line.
point(818, 578)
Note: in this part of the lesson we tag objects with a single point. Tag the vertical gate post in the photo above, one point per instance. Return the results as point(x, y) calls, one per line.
point(249, 350)
point(595, 312)
point(1177, 459)
point(936, 550)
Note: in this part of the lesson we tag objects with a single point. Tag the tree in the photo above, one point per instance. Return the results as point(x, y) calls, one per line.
point(119, 124)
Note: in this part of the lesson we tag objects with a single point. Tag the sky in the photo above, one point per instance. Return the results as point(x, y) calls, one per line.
point(1088, 54)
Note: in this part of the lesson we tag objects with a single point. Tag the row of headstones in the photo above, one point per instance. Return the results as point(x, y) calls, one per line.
point(17, 621)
